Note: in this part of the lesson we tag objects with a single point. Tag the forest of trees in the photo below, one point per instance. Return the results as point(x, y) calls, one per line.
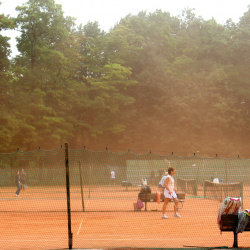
point(152, 82)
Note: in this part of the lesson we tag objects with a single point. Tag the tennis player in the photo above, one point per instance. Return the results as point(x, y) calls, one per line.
point(23, 179)
point(18, 183)
point(170, 193)
point(112, 177)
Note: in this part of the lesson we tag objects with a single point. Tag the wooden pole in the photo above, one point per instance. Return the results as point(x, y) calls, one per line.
point(80, 172)
point(70, 235)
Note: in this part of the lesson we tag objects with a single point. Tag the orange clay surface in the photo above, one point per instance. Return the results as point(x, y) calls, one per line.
point(38, 220)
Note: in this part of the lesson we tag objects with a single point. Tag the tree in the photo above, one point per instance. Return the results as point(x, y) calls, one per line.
point(7, 120)
point(6, 22)
point(154, 81)
point(144, 43)
point(241, 61)
point(43, 73)
point(104, 105)
point(92, 48)
point(43, 31)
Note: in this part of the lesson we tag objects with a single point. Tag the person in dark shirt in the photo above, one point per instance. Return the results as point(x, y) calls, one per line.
point(23, 179)
point(18, 183)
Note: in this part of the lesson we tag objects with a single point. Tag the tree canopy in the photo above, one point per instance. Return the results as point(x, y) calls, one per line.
point(153, 82)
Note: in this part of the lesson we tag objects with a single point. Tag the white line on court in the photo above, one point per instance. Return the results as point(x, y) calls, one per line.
point(80, 226)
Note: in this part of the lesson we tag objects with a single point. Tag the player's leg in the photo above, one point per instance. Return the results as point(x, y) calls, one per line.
point(18, 189)
point(164, 216)
point(175, 200)
point(176, 203)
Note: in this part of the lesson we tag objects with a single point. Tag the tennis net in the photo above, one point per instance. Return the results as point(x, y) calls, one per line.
point(188, 186)
point(219, 191)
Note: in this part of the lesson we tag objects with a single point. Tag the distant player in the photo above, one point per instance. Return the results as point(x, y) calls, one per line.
point(23, 179)
point(112, 177)
point(170, 193)
point(18, 183)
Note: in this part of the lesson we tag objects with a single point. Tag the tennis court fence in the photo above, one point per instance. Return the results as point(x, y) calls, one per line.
point(90, 179)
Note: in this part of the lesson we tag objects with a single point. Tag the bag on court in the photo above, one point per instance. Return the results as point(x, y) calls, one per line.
point(140, 204)
point(229, 206)
point(146, 190)
point(243, 218)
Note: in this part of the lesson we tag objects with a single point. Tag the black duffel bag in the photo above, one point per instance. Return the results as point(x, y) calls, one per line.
point(145, 190)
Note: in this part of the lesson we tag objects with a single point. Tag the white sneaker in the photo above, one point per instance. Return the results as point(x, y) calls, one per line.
point(164, 216)
point(176, 215)
point(16, 195)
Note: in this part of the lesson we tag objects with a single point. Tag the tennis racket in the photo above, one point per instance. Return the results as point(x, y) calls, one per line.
point(180, 203)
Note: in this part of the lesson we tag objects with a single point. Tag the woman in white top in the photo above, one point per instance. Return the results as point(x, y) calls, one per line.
point(170, 193)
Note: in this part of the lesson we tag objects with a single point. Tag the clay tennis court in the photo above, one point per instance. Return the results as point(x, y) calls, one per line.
point(37, 219)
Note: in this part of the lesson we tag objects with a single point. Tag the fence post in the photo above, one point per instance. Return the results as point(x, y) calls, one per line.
point(80, 172)
point(70, 235)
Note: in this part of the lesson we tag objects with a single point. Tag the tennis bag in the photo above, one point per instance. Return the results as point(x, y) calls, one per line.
point(243, 218)
point(139, 204)
point(229, 206)
point(146, 190)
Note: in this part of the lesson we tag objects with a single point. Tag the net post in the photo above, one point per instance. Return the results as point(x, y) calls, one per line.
point(80, 172)
point(241, 193)
point(204, 187)
point(196, 188)
point(70, 235)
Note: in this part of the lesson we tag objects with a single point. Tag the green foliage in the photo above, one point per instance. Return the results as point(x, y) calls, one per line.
point(154, 81)
point(5, 23)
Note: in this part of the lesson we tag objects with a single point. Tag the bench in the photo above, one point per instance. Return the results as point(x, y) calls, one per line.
point(152, 197)
point(229, 222)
